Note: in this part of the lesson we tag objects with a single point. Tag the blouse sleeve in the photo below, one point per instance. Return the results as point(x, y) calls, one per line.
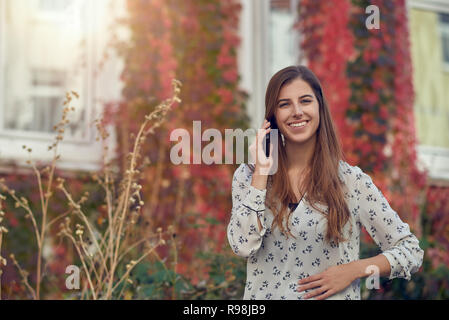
point(248, 203)
point(384, 225)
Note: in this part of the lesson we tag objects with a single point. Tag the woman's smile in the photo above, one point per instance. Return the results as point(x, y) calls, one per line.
point(298, 126)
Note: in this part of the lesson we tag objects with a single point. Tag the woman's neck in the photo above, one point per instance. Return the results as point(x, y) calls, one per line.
point(299, 154)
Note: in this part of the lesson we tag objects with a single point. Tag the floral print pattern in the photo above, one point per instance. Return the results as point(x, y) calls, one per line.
point(275, 263)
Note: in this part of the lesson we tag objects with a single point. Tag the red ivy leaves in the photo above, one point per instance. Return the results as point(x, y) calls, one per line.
point(328, 44)
point(194, 41)
point(366, 75)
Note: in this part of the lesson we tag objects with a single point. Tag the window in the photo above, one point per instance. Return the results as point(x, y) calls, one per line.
point(43, 109)
point(47, 48)
point(428, 22)
point(43, 60)
point(284, 43)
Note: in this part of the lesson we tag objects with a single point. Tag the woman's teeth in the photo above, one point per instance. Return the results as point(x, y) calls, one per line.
point(302, 124)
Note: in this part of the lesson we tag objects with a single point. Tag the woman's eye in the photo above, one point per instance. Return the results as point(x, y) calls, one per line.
point(286, 104)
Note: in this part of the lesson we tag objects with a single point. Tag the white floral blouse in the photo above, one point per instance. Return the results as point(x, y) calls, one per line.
point(275, 263)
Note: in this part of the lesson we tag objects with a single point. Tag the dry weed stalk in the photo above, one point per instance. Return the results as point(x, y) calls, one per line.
point(102, 259)
point(41, 227)
point(100, 253)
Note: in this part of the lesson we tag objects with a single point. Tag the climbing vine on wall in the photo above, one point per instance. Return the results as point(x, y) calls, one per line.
point(367, 78)
point(194, 41)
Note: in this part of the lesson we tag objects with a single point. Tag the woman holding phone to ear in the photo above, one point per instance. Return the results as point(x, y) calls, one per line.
point(299, 228)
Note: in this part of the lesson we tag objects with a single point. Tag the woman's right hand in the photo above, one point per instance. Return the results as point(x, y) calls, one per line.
point(263, 164)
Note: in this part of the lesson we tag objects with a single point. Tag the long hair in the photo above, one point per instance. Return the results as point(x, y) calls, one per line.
point(321, 183)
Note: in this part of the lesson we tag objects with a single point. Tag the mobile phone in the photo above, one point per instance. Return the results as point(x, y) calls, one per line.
point(267, 144)
point(273, 125)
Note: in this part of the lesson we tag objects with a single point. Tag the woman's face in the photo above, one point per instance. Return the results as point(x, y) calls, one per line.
point(297, 112)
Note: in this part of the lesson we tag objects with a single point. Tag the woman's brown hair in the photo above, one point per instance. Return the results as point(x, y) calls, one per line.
point(321, 183)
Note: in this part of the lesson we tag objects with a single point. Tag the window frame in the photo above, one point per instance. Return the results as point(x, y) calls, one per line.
point(432, 158)
point(76, 153)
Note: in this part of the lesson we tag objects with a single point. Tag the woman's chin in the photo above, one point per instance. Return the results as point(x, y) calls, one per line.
point(298, 138)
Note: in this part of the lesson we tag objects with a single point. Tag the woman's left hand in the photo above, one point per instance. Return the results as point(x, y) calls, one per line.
point(328, 282)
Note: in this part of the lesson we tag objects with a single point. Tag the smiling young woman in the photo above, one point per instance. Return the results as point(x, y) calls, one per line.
point(301, 225)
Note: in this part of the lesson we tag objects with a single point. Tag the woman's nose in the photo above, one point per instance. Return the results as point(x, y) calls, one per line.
point(297, 109)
